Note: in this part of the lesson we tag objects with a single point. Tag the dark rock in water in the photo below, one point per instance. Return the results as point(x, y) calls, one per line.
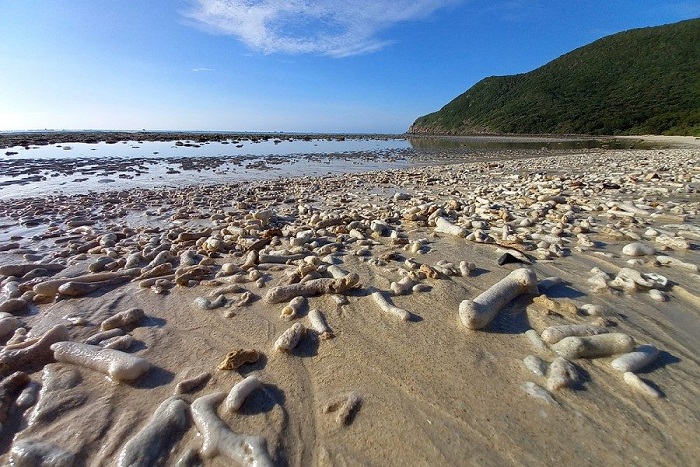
point(508, 258)
point(11, 153)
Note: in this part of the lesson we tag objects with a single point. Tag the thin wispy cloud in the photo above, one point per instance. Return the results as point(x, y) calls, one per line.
point(337, 28)
point(199, 70)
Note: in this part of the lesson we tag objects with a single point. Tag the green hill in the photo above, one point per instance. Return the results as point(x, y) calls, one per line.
point(642, 81)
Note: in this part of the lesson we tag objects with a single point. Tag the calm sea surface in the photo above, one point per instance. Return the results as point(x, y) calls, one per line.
point(71, 168)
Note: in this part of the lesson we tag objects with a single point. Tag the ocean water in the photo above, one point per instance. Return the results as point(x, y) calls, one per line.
point(72, 168)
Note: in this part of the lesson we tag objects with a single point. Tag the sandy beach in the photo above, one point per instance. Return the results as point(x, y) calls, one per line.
point(392, 263)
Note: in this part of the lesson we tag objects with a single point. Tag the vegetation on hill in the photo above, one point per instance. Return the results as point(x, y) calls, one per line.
point(642, 81)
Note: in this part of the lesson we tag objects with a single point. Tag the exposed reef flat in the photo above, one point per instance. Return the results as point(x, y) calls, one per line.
point(330, 320)
point(40, 138)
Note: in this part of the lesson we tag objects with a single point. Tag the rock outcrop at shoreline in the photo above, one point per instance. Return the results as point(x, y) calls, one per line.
point(316, 320)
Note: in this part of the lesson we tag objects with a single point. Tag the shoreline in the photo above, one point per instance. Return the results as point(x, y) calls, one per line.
point(428, 387)
point(27, 138)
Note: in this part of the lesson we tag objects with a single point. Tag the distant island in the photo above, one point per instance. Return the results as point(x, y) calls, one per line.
point(642, 81)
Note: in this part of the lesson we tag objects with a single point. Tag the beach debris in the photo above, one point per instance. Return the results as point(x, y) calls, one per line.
point(192, 384)
point(638, 249)
point(562, 306)
point(601, 345)
point(442, 225)
point(637, 359)
point(20, 270)
point(133, 260)
point(160, 270)
point(658, 295)
point(118, 342)
point(152, 444)
point(554, 334)
point(80, 289)
point(384, 305)
point(537, 392)
point(676, 263)
point(533, 205)
point(233, 360)
point(244, 299)
point(677, 243)
point(220, 440)
point(227, 289)
point(319, 325)
point(19, 336)
point(536, 365)
point(50, 288)
point(536, 341)
point(549, 282)
point(313, 287)
point(100, 264)
point(403, 286)
point(429, 271)
point(629, 280)
point(599, 281)
point(447, 268)
point(251, 260)
point(686, 296)
point(638, 384)
point(291, 310)
point(290, 338)
point(31, 352)
point(346, 405)
point(205, 304)
point(123, 319)
point(9, 388)
point(27, 397)
point(562, 374)
point(34, 453)
point(95, 339)
point(158, 284)
point(118, 365)
point(466, 268)
point(185, 276)
point(8, 325)
point(478, 313)
point(513, 256)
point(14, 306)
point(239, 392)
point(590, 309)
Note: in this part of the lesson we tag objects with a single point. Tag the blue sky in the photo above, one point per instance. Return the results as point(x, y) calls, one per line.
point(280, 65)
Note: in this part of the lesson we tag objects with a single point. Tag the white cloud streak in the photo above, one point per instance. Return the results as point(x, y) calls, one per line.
point(336, 28)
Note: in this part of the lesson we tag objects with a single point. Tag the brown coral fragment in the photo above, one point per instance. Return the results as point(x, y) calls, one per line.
point(563, 306)
point(239, 357)
point(429, 271)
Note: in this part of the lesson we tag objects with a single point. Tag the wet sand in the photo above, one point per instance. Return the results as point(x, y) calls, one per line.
point(429, 390)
